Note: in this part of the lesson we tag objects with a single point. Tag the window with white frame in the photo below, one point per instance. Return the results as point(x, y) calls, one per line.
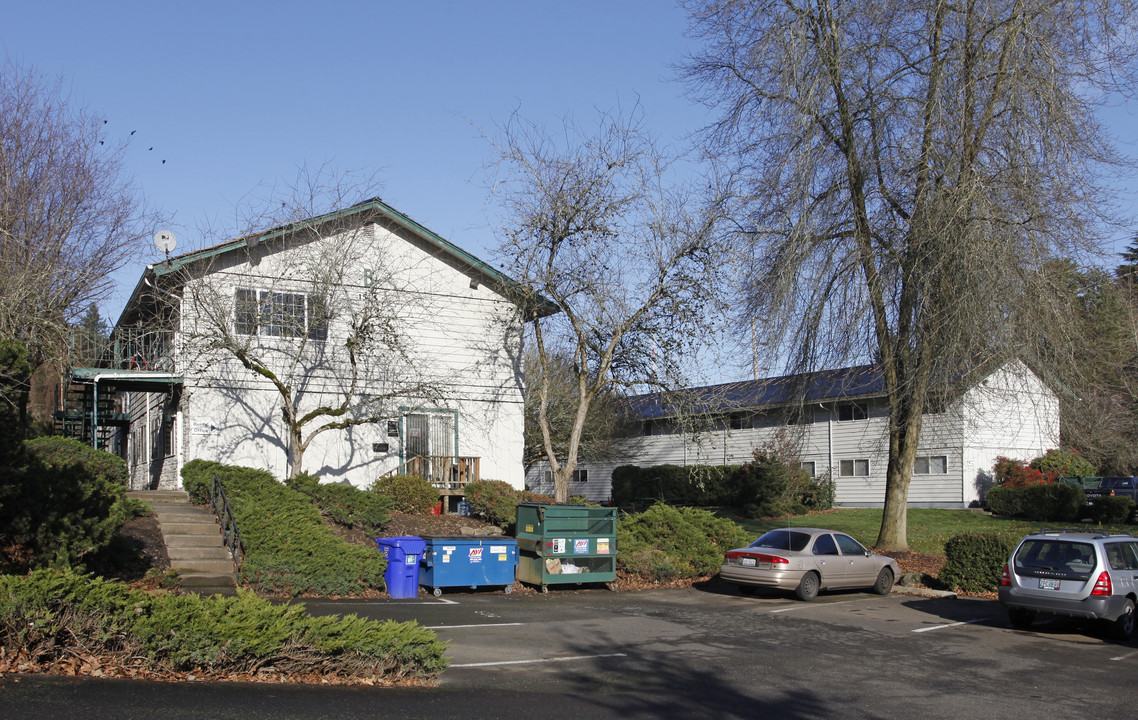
point(279, 314)
point(579, 475)
point(852, 411)
point(930, 465)
point(857, 467)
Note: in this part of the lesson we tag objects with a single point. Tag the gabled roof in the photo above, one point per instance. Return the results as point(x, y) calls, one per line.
point(376, 207)
point(823, 386)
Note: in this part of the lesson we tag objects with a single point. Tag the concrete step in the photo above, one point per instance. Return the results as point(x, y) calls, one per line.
point(159, 496)
point(193, 542)
point(198, 553)
point(209, 583)
point(184, 567)
point(189, 512)
point(190, 528)
point(197, 540)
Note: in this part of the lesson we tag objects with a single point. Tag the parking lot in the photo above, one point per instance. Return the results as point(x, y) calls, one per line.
point(713, 652)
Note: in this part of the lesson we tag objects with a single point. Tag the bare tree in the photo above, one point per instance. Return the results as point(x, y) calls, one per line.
point(908, 169)
point(605, 423)
point(592, 225)
point(339, 345)
point(69, 215)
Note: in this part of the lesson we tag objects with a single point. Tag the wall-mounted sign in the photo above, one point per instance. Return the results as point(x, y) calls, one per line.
point(203, 428)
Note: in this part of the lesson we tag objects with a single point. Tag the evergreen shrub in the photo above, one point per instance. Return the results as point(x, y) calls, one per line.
point(975, 561)
point(496, 501)
point(61, 503)
point(46, 615)
point(288, 548)
point(410, 494)
point(345, 504)
point(665, 543)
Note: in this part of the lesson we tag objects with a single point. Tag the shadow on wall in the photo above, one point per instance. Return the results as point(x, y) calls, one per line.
point(984, 482)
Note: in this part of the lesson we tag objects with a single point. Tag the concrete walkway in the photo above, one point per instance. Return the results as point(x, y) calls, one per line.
point(193, 542)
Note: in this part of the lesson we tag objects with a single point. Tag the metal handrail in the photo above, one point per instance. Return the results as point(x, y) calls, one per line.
point(230, 533)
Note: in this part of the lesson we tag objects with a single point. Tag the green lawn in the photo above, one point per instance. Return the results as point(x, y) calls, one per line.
point(928, 528)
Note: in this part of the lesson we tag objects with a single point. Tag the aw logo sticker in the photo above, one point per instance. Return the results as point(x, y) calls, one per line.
point(475, 555)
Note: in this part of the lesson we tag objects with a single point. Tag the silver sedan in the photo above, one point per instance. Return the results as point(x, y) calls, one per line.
point(807, 560)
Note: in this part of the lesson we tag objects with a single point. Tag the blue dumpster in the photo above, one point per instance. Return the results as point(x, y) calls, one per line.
point(402, 573)
point(468, 561)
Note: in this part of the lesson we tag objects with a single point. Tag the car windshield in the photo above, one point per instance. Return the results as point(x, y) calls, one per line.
point(1055, 555)
point(783, 540)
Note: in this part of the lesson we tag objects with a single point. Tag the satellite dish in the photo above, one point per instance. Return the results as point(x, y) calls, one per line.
point(165, 241)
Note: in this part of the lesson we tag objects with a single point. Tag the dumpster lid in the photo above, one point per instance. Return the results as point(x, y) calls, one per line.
point(468, 538)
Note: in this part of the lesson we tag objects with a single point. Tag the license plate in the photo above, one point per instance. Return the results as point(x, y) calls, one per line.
point(1045, 584)
point(747, 562)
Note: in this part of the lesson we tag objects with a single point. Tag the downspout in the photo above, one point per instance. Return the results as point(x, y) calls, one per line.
point(829, 440)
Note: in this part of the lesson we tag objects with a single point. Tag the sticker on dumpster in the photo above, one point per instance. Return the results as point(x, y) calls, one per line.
point(602, 546)
point(529, 528)
point(497, 549)
point(446, 558)
point(581, 547)
point(558, 545)
point(475, 555)
point(411, 560)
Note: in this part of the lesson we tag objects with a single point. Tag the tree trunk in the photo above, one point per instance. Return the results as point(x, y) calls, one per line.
point(904, 437)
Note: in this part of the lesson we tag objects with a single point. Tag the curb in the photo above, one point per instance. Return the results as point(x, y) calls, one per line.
point(923, 592)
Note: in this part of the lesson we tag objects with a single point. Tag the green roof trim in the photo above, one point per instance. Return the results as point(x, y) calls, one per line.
point(172, 265)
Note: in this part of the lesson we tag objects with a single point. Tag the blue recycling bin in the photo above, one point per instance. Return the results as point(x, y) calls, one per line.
point(402, 573)
point(468, 561)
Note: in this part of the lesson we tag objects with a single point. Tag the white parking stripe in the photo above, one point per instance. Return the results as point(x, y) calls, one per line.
point(473, 625)
point(807, 606)
point(531, 662)
point(941, 627)
point(1125, 657)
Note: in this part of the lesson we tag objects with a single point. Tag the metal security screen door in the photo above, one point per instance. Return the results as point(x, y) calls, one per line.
point(429, 435)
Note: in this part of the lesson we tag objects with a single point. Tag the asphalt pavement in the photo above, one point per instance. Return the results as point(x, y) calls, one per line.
point(684, 653)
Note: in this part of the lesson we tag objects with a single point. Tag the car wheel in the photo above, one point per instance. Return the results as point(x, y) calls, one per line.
point(884, 584)
point(1123, 627)
point(1021, 618)
point(807, 588)
point(746, 589)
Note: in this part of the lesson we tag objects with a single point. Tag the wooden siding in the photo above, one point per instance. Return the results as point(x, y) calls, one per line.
point(1010, 413)
point(465, 344)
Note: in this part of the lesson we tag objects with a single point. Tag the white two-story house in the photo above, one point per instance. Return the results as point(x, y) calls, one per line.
point(348, 345)
point(837, 422)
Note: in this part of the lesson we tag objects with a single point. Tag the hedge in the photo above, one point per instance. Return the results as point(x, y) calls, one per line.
point(702, 485)
point(974, 562)
point(288, 548)
point(1050, 502)
point(44, 616)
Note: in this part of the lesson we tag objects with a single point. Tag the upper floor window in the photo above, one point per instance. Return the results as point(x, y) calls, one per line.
point(852, 411)
point(279, 314)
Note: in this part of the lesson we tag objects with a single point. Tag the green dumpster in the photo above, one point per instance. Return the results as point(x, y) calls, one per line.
point(559, 544)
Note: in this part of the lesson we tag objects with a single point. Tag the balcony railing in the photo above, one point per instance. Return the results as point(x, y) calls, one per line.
point(129, 348)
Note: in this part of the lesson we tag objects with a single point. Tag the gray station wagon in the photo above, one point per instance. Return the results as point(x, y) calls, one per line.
point(1075, 574)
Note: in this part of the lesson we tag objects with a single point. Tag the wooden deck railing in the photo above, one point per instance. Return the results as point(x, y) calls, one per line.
point(448, 473)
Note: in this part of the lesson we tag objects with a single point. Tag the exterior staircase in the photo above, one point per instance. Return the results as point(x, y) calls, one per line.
point(193, 542)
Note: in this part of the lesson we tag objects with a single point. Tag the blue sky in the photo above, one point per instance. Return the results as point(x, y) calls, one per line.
point(235, 95)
